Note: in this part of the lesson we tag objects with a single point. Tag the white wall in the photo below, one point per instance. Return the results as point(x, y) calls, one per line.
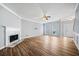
point(30, 29)
point(11, 22)
point(8, 19)
point(14, 26)
point(67, 28)
point(1, 37)
point(76, 27)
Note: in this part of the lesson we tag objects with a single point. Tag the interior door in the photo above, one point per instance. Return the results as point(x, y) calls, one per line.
point(1, 37)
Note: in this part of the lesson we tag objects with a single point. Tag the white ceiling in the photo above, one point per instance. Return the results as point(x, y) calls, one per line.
point(34, 11)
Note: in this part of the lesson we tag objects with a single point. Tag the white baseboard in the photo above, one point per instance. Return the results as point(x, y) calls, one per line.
point(2, 47)
point(30, 36)
point(76, 44)
point(75, 35)
point(12, 45)
point(15, 43)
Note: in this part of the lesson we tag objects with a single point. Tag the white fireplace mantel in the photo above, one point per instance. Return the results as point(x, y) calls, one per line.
point(12, 31)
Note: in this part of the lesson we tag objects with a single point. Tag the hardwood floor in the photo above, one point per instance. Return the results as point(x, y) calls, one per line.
point(43, 46)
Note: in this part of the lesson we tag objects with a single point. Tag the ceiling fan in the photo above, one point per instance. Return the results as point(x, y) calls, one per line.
point(45, 17)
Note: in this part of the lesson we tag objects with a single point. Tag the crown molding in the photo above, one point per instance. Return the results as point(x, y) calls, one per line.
point(14, 13)
point(11, 11)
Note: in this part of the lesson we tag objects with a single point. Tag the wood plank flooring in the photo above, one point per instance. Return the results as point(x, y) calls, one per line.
point(43, 46)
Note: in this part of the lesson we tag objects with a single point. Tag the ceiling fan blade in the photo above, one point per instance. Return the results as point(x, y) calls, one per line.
point(46, 18)
point(38, 18)
point(49, 16)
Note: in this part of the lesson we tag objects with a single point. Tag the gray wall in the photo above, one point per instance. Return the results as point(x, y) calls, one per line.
point(29, 29)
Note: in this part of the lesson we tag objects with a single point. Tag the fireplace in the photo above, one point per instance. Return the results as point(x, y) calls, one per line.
point(13, 37)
